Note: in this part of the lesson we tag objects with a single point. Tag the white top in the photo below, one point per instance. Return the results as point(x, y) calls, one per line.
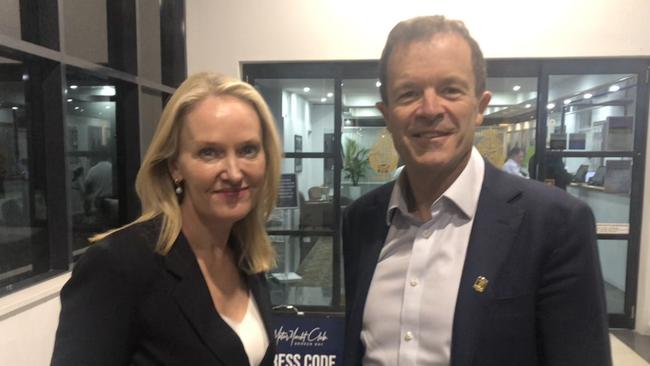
point(251, 332)
point(512, 167)
point(408, 316)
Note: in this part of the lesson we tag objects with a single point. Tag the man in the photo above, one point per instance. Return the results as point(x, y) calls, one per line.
point(456, 262)
point(513, 164)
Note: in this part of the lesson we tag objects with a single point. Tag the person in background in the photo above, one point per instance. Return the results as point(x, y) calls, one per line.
point(457, 262)
point(184, 284)
point(514, 161)
point(98, 187)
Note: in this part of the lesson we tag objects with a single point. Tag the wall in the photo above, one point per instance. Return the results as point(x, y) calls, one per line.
point(282, 30)
point(250, 30)
point(28, 321)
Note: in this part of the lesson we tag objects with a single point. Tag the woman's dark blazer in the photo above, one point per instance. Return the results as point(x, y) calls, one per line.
point(127, 305)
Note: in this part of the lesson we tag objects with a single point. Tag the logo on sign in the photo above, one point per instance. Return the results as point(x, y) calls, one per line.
point(298, 337)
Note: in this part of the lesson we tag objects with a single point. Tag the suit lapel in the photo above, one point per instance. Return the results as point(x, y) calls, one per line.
point(192, 296)
point(495, 226)
point(374, 218)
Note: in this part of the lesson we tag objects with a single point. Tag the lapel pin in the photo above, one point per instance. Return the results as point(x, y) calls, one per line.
point(480, 284)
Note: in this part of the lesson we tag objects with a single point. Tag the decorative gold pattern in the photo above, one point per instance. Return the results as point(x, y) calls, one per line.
point(383, 157)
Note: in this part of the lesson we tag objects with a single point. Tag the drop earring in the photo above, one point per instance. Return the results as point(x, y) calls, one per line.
point(178, 187)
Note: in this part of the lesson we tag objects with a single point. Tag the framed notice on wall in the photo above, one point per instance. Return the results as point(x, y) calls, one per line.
point(297, 147)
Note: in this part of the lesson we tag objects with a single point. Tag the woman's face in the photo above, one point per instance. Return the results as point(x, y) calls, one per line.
point(221, 160)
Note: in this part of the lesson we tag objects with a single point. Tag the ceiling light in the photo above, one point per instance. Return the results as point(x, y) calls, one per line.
point(550, 106)
point(306, 89)
point(566, 101)
point(14, 108)
point(25, 77)
point(69, 100)
point(330, 94)
point(323, 100)
point(516, 87)
point(76, 108)
point(587, 95)
point(614, 88)
point(528, 105)
point(73, 87)
point(378, 83)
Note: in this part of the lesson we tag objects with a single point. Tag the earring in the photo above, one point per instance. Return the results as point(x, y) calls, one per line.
point(178, 188)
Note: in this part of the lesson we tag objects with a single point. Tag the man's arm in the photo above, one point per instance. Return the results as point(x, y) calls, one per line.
point(571, 310)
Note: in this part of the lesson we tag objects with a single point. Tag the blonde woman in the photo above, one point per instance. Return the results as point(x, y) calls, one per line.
point(184, 283)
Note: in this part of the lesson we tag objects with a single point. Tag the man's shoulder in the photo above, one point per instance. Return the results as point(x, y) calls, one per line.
point(377, 197)
point(530, 192)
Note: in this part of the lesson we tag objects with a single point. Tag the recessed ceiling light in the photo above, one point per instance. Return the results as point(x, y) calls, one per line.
point(76, 108)
point(306, 89)
point(567, 101)
point(14, 108)
point(528, 105)
point(550, 106)
point(69, 100)
point(378, 83)
point(73, 87)
point(25, 77)
point(323, 100)
point(516, 87)
point(587, 95)
point(614, 88)
point(330, 94)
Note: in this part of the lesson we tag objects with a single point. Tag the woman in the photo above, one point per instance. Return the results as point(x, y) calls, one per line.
point(184, 284)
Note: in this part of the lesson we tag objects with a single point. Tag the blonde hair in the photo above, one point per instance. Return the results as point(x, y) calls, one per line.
point(155, 187)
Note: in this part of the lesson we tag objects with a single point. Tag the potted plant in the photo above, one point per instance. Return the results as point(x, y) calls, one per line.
point(355, 162)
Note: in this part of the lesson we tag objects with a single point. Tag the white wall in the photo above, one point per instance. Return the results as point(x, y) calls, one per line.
point(222, 34)
point(28, 321)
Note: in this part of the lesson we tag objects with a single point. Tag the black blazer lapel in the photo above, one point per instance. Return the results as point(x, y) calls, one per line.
point(192, 296)
point(371, 231)
point(494, 230)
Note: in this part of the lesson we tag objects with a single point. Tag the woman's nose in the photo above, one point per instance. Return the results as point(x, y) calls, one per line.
point(232, 171)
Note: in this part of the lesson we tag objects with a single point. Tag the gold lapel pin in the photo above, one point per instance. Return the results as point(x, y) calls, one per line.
point(480, 284)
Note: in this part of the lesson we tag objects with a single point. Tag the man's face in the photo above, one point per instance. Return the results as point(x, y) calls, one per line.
point(432, 109)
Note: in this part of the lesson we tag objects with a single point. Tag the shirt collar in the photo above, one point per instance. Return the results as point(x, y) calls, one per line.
point(463, 192)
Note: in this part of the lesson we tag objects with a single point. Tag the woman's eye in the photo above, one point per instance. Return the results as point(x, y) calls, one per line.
point(250, 151)
point(207, 153)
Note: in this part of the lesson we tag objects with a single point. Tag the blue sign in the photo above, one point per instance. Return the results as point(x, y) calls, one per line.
point(308, 340)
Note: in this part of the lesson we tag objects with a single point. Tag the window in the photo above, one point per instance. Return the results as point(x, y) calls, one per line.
point(72, 122)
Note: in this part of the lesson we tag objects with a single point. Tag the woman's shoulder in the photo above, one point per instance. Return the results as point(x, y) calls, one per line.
point(132, 245)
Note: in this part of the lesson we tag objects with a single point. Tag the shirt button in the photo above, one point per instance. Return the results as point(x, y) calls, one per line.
point(426, 233)
point(408, 336)
point(414, 283)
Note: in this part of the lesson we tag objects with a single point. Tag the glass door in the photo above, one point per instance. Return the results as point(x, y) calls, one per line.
point(591, 144)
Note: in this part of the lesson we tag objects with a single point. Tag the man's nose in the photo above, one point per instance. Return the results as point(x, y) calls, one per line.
point(430, 107)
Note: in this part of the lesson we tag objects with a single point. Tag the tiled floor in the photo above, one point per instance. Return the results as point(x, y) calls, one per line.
point(629, 348)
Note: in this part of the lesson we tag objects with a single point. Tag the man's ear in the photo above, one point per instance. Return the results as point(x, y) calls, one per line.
point(483, 102)
point(383, 108)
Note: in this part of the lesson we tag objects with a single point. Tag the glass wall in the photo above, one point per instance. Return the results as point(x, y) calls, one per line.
point(574, 123)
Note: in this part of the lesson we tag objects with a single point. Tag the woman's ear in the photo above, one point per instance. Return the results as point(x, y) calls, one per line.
point(174, 172)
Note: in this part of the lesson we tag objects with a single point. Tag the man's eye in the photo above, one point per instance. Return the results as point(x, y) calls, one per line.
point(250, 151)
point(452, 91)
point(406, 95)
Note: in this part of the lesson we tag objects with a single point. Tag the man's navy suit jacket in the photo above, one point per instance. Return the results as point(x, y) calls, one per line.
point(544, 302)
